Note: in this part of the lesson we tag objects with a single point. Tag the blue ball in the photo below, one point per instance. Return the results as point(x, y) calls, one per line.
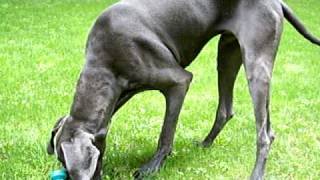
point(60, 174)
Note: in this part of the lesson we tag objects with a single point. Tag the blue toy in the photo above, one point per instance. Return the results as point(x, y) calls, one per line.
point(60, 174)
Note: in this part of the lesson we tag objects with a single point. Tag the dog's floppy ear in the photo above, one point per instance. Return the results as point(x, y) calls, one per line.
point(81, 157)
point(57, 126)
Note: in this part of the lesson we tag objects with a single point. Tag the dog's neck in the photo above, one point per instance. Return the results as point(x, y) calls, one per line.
point(94, 99)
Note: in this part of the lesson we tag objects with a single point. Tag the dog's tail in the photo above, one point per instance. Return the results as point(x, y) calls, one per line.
point(296, 23)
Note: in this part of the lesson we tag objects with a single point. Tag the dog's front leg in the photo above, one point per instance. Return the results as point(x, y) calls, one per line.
point(174, 95)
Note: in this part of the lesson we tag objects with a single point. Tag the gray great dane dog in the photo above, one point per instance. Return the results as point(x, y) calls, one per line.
point(138, 45)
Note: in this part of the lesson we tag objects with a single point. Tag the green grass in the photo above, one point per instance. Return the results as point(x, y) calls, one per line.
point(41, 55)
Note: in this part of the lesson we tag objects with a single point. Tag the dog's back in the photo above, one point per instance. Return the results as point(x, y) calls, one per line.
point(182, 26)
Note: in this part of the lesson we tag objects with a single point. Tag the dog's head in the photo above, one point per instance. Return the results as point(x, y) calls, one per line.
point(74, 148)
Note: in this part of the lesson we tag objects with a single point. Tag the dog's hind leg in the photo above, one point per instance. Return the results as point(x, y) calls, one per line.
point(259, 46)
point(258, 72)
point(229, 62)
point(173, 83)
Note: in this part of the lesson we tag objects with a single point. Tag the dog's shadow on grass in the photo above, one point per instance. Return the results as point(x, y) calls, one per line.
point(120, 164)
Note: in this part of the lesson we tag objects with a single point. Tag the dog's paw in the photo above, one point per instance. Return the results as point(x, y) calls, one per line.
point(138, 175)
point(141, 173)
point(203, 144)
point(148, 169)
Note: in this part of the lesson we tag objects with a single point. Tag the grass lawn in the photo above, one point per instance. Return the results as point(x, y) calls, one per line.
point(42, 53)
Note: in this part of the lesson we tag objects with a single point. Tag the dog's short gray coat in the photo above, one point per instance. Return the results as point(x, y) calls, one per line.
point(138, 45)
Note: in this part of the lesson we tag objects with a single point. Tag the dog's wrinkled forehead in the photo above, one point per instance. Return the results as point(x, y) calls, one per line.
point(59, 134)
